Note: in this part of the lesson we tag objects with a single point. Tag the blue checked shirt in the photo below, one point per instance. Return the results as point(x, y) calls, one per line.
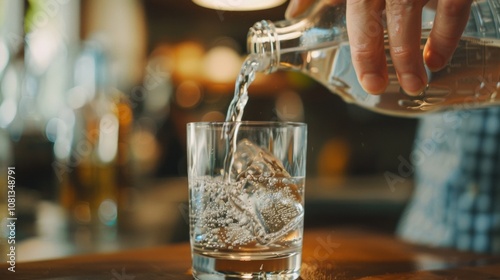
point(456, 201)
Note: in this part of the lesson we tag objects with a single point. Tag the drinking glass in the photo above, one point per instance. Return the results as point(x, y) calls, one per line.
point(246, 199)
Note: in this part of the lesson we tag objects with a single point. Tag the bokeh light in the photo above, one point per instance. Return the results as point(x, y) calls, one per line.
point(108, 212)
point(221, 65)
point(213, 116)
point(188, 59)
point(289, 106)
point(237, 5)
point(333, 158)
point(188, 94)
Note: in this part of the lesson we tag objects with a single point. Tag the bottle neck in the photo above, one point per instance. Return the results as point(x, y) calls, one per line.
point(277, 44)
point(264, 46)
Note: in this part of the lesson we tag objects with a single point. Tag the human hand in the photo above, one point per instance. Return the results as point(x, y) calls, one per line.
point(404, 21)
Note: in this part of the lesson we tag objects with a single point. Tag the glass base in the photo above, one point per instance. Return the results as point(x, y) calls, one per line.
point(282, 267)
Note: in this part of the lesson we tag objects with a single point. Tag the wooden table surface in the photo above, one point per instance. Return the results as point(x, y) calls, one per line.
point(328, 254)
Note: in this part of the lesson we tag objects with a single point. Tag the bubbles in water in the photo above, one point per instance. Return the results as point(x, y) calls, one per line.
point(262, 204)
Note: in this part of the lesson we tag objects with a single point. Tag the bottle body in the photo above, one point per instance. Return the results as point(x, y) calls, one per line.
point(317, 45)
point(91, 150)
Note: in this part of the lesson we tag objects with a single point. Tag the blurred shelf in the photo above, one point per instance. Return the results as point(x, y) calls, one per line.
point(367, 201)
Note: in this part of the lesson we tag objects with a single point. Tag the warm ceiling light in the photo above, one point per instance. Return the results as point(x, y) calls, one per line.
point(239, 5)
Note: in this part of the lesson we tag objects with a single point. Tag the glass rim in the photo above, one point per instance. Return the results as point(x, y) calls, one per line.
point(248, 124)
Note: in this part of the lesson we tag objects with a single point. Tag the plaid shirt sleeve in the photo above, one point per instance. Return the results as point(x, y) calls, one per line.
point(456, 201)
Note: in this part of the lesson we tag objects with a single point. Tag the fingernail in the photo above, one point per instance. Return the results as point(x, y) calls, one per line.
point(412, 84)
point(291, 10)
point(373, 83)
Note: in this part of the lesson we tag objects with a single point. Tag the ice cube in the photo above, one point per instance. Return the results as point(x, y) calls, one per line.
point(267, 193)
point(279, 210)
point(251, 160)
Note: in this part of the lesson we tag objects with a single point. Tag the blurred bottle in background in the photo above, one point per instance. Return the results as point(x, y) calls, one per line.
point(92, 149)
point(65, 132)
point(48, 37)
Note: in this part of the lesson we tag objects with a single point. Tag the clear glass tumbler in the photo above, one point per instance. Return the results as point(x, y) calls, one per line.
point(246, 199)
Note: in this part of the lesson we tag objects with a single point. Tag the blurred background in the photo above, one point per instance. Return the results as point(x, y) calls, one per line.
point(94, 100)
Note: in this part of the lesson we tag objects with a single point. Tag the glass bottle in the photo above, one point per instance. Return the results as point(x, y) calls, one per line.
point(317, 45)
point(91, 151)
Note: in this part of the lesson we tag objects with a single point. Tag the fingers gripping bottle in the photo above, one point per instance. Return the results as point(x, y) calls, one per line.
point(317, 45)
